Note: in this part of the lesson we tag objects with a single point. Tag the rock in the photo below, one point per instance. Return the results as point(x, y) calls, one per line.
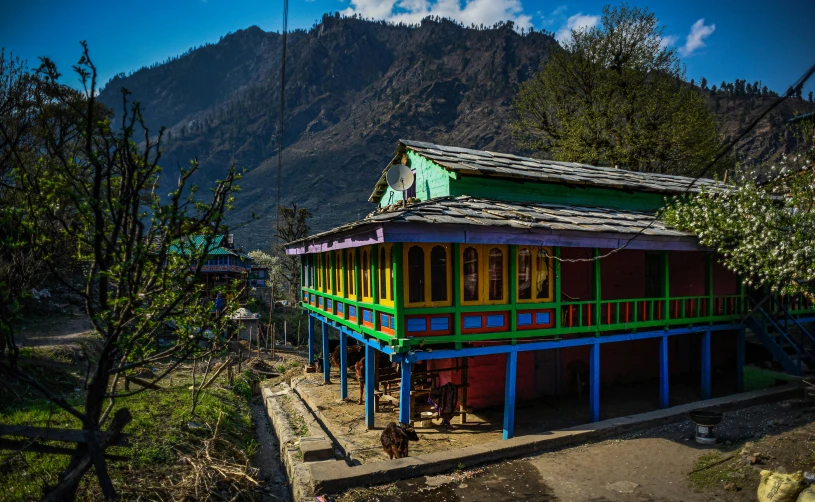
point(622, 486)
point(731, 486)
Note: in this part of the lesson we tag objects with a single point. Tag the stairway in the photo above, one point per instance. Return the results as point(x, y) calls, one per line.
point(790, 344)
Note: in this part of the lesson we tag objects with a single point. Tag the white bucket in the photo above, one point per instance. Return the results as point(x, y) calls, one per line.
point(427, 419)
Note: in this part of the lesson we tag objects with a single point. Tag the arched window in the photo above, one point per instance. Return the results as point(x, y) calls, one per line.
point(496, 274)
point(391, 276)
point(383, 278)
point(542, 274)
point(349, 273)
point(438, 274)
point(470, 271)
point(318, 272)
point(338, 274)
point(415, 274)
point(524, 274)
point(366, 274)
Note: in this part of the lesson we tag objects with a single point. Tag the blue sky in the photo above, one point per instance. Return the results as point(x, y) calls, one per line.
point(770, 42)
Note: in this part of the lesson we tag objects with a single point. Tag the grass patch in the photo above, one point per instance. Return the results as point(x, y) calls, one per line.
point(759, 378)
point(160, 436)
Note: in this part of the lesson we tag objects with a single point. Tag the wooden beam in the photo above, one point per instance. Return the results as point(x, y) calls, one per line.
point(664, 373)
point(594, 382)
point(343, 366)
point(706, 365)
point(510, 386)
point(23, 446)
point(51, 434)
point(404, 394)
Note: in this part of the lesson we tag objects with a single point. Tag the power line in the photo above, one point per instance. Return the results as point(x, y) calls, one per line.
point(282, 109)
point(798, 83)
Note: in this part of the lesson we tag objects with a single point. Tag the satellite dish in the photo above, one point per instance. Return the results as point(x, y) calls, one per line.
point(399, 177)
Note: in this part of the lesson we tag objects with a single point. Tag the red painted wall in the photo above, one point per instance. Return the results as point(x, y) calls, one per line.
point(686, 273)
point(725, 282)
point(576, 284)
point(622, 275)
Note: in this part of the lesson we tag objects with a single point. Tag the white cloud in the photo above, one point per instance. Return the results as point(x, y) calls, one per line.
point(576, 22)
point(477, 12)
point(668, 41)
point(559, 10)
point(699, 31)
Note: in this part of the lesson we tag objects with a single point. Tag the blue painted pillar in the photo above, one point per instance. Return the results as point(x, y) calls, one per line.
point(326, 358)
point(310, 339)
point(370, 366)
point(510, 385)
point(706, 365)
point(594, 382)
point(343, 365)
point(740, 356)
point(404, 394)
point(664, 374)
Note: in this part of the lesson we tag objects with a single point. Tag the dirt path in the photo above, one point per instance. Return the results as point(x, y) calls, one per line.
point(652, 465)
point(53, 330)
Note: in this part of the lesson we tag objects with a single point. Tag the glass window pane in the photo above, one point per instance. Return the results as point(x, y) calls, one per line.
point(366, 278)
point(415, 274)
point(542, 274)
point(470, 272)
point(383, 290)
point(496, 274)
point(524, 275)
point(438, 274)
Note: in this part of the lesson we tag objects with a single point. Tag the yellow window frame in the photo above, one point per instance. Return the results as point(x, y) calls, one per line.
point(483, 273)
point(533, 250)
point(318, 272)
point(366, 251)
point(428, 289)
point(386, 289)
point(350, 266)
point(338, 290)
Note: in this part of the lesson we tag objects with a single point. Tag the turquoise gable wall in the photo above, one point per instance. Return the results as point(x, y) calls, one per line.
point(434, 181)
point(431, 180)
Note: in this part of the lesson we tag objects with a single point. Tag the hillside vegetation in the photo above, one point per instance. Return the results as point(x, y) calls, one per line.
point(355, 87)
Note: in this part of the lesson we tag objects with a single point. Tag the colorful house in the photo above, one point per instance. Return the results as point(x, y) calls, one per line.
point(223, 262)
point(521, 269)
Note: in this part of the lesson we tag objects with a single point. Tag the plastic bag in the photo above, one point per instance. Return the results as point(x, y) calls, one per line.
point(807, 495)
point(775, 487)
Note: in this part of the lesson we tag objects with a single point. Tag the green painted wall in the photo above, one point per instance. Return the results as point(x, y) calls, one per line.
point(431, 180)
point(434, 181)
point(554, 194)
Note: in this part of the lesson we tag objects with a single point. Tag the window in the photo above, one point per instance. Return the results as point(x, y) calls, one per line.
point(535, 274)
point(318, 274)
point(438, 274)
point(524, 274)
point(384, 265)
point(415, 274)
point(496, 274)
point(411, 192)
point(365, 273)
point(427, 275)
point(350, 273)
point(326, 278)
point(483, 274)
point(470, 274)
point(338, 289)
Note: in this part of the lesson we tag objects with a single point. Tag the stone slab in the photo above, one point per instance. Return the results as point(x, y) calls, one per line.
point(334, 477)
point(314, 450)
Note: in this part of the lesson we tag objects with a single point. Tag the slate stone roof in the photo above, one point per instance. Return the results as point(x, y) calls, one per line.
point(504, 165)
point(466, 210)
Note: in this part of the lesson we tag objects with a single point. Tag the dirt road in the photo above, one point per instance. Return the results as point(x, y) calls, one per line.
point(652, 465)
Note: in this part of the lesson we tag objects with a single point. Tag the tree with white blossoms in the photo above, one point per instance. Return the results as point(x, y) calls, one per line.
point(271, 262)
point(762, 224)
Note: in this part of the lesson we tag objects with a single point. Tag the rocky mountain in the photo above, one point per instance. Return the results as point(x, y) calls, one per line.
point(353, 88)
